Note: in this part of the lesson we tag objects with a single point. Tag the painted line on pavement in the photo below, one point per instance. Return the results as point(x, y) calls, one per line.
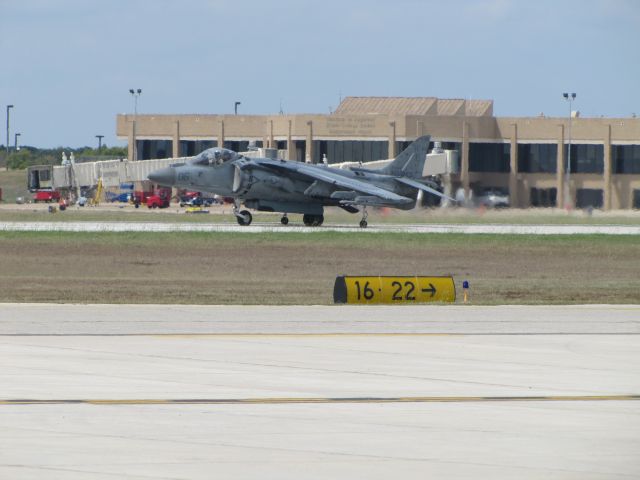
point(290, 400)
point(311, 334)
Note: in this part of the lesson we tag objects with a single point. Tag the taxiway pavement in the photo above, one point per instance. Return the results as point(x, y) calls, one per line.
point(273, 227)
point(177, 392)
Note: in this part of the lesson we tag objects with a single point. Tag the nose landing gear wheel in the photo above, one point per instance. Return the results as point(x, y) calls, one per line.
point(363, 224)
point(244, 218)
point(284, 220)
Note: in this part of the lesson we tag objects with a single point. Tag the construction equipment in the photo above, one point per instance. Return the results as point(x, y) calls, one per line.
point(97, 196)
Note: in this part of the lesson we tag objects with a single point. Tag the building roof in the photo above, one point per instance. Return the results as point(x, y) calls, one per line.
point(414, 106)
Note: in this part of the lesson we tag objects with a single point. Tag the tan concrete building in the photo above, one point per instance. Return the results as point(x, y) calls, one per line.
point(526, 156)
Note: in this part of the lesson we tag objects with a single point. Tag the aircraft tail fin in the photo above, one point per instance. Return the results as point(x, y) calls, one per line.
point(410, 163)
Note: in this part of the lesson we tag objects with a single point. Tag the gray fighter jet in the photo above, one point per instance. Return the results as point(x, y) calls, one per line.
point(269, 185)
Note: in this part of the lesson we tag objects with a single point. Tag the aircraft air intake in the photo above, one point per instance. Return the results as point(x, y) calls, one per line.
point(240, 179)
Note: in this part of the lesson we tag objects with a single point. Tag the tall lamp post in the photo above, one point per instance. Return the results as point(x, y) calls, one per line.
point(99, 137)
point(7, 159)
point(570, 97)
point(235, 107)
point(135, 93)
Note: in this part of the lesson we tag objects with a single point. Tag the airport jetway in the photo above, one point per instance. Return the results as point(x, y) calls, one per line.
point(72, 176)
point(112, 173)
point(82, 175)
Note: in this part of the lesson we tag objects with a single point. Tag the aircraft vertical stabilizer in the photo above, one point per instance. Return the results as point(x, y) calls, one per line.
point(410, 163)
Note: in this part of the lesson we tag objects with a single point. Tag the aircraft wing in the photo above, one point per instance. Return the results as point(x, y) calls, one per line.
point(422, 186)
point(326, 175)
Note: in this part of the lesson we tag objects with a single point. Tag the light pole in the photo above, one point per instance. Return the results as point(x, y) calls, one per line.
point(15, 141)
point(99, 137)
point(235, 107)
point(135, 93)
point(7, 159)
point(570, 97)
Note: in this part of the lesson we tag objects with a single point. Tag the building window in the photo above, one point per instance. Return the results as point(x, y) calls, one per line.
point(241, 145)
point(448, 146)
point(543, 197)
point(401, 146)
point(339, 151)
point(187, 148)
point(202, 145)
point(143, 149)
point(154, 149)
point(489, 157)
point(585, 158)
point(589, 197)
point(626, 158)
point(299, 149)
point(537, 157)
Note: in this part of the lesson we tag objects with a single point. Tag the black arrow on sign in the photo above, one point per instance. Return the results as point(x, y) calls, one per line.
point(432, 290)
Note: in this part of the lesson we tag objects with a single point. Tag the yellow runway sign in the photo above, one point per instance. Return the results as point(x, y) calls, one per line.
point(382, 289)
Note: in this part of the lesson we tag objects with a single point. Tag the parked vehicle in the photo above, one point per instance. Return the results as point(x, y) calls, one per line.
point(156, 201)
point(197, 202)
point(493, 198)
point(119, 197)
point(47, 196)
point(160, 198)
point(141, 196)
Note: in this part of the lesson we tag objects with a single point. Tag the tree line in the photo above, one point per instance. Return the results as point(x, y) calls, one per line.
point(27, 156)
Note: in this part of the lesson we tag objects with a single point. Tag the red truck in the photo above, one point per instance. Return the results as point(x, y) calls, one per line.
point(160, 199)
point(46, 196)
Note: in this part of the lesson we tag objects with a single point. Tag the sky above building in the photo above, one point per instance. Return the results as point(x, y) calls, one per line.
point(68, 65)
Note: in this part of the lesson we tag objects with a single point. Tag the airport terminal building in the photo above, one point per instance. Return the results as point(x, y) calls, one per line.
point(524, 156)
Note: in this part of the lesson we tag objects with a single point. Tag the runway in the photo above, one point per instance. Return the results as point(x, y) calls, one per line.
point(177, 392)
point(344, 228)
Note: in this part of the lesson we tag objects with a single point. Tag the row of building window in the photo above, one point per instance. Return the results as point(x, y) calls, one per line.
point(543, 158)
point(625, 158)
point(585, 198)
point(489, 157)
point(537, 157)
point(483, 157)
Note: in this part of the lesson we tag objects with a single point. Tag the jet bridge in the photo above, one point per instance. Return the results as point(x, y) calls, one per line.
point(74, 176)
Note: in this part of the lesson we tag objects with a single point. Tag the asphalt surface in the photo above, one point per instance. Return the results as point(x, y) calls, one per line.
point(346, 228)
point(177, 392)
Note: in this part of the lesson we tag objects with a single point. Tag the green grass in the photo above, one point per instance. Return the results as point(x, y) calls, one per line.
point(394, 240)
point(297, 268)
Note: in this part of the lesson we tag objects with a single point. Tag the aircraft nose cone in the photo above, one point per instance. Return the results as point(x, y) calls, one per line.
point(163, 176)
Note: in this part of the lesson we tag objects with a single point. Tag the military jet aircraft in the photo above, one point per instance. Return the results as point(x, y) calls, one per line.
point(270, 185)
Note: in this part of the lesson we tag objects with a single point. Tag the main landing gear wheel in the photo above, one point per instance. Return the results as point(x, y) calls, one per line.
point(244, 218)
point(363, 222)
point(284, 220)
point(312, 220)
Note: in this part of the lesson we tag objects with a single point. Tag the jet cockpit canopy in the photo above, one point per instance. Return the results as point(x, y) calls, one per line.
point(214, 156)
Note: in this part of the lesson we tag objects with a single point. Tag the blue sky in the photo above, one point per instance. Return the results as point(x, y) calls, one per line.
point(67, 65)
